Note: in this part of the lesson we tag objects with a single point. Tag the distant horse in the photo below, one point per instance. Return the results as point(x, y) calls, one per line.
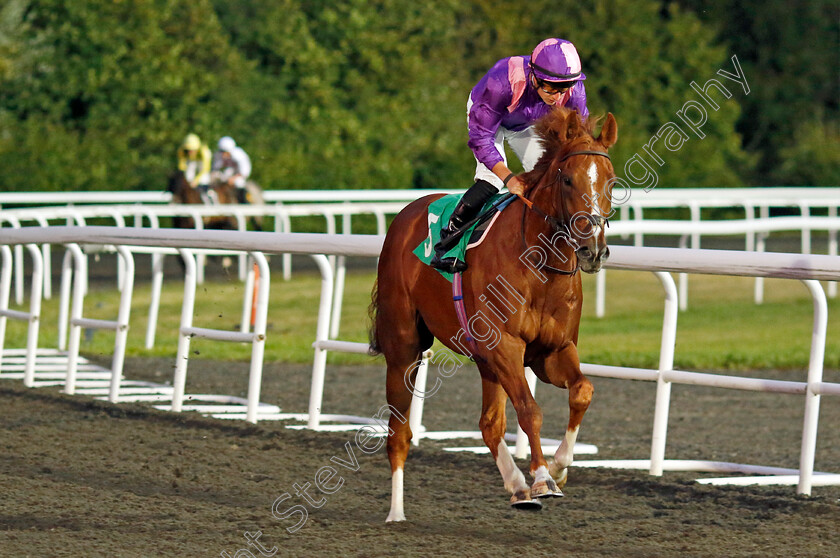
point(524, 294)
point(220, 192)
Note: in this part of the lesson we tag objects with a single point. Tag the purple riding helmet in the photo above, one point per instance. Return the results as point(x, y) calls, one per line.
point(556, 60)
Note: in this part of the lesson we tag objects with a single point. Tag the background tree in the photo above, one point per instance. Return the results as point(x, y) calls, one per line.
point(96, 94)
point(791, 50)
point(639, 61)
point(359, 93)
point(107, 88)
point(11, 31)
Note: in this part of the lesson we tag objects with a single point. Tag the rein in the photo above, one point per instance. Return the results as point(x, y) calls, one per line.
point(560, 226)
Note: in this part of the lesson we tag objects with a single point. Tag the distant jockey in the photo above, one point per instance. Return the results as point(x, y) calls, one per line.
point(194, 160)
point(232, 165)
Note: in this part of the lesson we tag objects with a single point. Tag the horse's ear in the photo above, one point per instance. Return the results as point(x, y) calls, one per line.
point(609, 132)
point(573, 125)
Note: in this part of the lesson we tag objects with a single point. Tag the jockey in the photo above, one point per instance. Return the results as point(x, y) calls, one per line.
point(194, 161)
point(232, 165)
point(503, 106)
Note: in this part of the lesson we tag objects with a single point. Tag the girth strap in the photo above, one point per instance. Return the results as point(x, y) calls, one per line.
point(461, 312)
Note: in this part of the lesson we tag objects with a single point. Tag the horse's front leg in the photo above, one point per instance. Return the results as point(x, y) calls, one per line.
point(511, 377)
point(563, 370)
point(493, 426)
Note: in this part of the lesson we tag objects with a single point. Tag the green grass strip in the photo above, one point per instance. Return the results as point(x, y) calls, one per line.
point(721, 329)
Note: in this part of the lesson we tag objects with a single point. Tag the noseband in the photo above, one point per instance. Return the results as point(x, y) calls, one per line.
point(559, 226)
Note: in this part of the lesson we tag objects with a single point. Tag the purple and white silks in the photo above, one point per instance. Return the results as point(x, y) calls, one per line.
point(504, 100)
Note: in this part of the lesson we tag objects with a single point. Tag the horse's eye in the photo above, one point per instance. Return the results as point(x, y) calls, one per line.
point(566, 180)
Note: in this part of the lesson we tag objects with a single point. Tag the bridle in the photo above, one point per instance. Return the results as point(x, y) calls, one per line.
point(561, 226)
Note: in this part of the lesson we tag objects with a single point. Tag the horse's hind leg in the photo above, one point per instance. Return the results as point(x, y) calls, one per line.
point(402, 347)
point(399, 432)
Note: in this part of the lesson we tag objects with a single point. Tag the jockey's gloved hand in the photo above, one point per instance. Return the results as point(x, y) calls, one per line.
point(514, 186)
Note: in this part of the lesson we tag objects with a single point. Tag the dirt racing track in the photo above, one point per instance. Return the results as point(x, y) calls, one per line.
point(83, 477)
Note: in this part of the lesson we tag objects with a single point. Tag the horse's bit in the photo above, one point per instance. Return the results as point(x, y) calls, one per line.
point(558, 226)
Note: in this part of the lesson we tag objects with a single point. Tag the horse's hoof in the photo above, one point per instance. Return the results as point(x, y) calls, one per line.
point(522, 500)
point(534, 505)
point(559, 476)
point(546, 489)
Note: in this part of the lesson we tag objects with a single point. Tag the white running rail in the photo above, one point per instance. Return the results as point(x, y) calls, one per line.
point(807, 268)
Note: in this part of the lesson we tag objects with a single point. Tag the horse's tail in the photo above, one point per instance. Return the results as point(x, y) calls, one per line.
point(373, 312)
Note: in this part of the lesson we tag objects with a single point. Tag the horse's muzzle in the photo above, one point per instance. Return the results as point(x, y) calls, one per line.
point(590, 260)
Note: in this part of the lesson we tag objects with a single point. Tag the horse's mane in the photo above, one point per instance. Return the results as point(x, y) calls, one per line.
point(558, 130)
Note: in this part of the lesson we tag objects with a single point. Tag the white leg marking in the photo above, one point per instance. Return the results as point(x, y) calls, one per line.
point(565, 453)
point(397, 513)
point(541, 474)
point(513, 477)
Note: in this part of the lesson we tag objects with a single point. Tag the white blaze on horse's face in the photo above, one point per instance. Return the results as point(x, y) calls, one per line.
point(593, 194)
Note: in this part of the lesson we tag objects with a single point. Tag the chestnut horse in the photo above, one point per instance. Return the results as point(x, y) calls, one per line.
point(219, 192)
point(524, 312)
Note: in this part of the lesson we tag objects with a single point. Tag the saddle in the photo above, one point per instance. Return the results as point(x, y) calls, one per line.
point(469, 236)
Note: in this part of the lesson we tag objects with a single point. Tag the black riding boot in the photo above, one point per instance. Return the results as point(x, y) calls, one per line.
point(242, 195)
point(466, 210)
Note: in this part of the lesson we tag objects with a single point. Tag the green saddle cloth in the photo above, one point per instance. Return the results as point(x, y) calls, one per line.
point(439, 212)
